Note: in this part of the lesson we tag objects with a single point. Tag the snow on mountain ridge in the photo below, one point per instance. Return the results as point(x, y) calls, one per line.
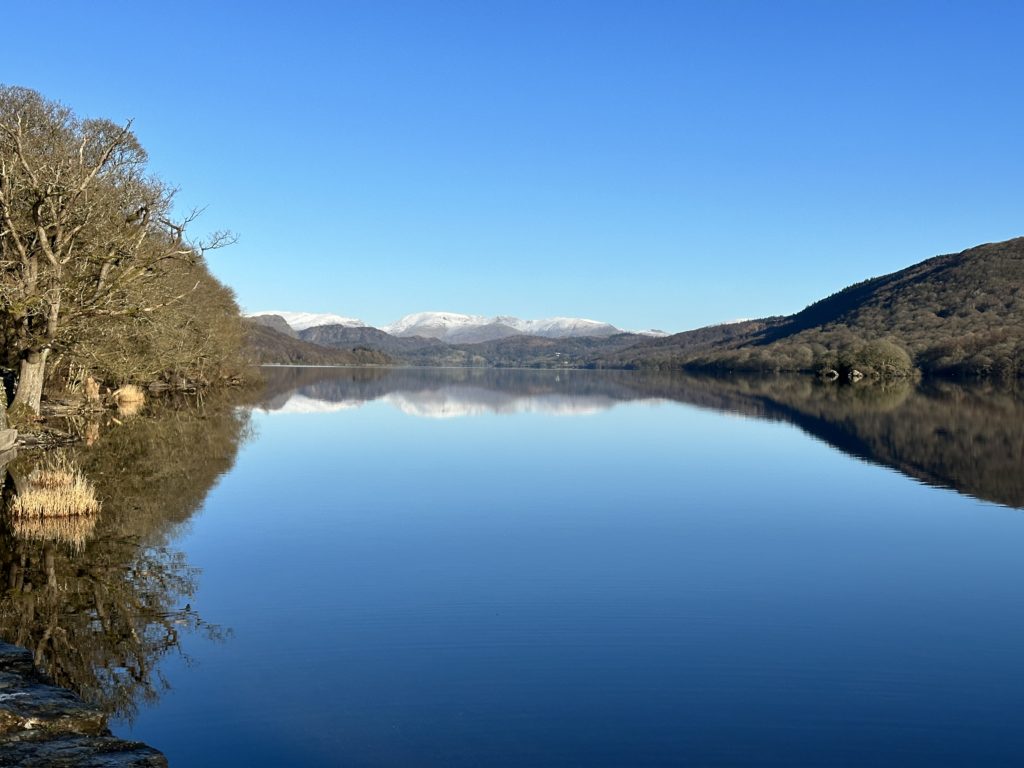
point(300, 321)
point(440, 319)
point(453, 326)
point(563, 326)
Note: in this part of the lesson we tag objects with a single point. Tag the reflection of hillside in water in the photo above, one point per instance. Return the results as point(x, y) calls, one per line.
point(966, 437)
point(99, 615)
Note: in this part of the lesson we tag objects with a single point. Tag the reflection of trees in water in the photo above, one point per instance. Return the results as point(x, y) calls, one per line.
point(966, 437)
point(100, 617)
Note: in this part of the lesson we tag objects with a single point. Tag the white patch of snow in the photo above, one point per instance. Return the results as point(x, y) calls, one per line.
point(449, 325)
point(430, 320)
point(558, 327)
point(300, 321)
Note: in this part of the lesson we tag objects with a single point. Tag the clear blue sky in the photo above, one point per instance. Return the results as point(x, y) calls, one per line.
point(650, 164)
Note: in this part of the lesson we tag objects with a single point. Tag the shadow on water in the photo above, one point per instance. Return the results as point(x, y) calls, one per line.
point(101, 601)
point(969, 438)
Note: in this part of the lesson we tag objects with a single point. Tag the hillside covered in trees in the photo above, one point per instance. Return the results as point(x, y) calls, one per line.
point(960, 314)
point(268, 343)
point(509, 352)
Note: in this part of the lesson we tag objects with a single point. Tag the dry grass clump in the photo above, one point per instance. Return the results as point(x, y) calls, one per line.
point(129, 393)
point(55, 492)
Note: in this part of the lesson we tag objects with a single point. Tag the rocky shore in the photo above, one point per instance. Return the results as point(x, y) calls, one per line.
point(42, 725)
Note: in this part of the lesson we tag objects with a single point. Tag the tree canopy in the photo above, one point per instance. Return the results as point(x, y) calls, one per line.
point(96, 271)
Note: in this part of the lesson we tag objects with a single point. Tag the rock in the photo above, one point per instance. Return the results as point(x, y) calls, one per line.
point(856, 375)
point(26, 704)
point(43, 725)
point(14, 658)
point(830, 375)
point(72, 751)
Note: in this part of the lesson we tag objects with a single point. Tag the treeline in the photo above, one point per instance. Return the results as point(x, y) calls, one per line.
point(98, 274)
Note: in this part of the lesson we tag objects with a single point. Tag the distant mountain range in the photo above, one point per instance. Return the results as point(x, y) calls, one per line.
point(453, 327)
point(438, 338)
point(961, 314)
point(470, 329)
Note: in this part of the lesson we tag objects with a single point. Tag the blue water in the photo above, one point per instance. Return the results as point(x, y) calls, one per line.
point(622, 583)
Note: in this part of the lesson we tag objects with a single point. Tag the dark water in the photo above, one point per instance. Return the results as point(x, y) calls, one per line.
point(468, 568)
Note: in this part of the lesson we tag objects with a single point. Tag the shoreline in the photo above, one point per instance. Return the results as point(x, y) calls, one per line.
point(45, 725)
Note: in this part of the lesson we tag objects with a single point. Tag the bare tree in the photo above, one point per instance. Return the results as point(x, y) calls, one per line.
point(84, 230)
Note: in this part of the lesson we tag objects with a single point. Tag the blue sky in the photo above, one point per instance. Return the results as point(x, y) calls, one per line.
point(650, 164)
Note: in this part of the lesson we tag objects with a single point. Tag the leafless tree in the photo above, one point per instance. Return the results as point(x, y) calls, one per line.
point(85, 231)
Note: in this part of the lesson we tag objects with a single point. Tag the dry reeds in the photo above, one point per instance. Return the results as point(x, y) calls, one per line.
point(55, 493)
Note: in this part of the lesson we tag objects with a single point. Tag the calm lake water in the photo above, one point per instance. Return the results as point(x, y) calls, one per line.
point(401, 567)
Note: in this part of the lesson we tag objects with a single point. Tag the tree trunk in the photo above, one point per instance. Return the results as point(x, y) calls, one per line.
point(8, 437)
point(30, 380)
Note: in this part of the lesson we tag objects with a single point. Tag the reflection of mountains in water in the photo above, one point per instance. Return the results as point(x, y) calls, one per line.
point(444, 392)
point(968, 438)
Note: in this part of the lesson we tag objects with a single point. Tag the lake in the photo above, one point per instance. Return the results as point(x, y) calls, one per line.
point(462, 567)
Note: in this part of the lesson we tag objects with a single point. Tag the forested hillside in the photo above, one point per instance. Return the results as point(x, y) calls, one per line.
point(959, 314)
point(267, 345)
point(513, 351)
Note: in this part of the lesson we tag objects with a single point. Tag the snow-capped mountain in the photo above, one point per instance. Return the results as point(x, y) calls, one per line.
point(458, 328)
point(562, 327)
point(300, 321)
point(435, 325)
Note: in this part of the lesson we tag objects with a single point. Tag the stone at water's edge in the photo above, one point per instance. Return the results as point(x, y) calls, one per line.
point(43, 725)
point(70, 751)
